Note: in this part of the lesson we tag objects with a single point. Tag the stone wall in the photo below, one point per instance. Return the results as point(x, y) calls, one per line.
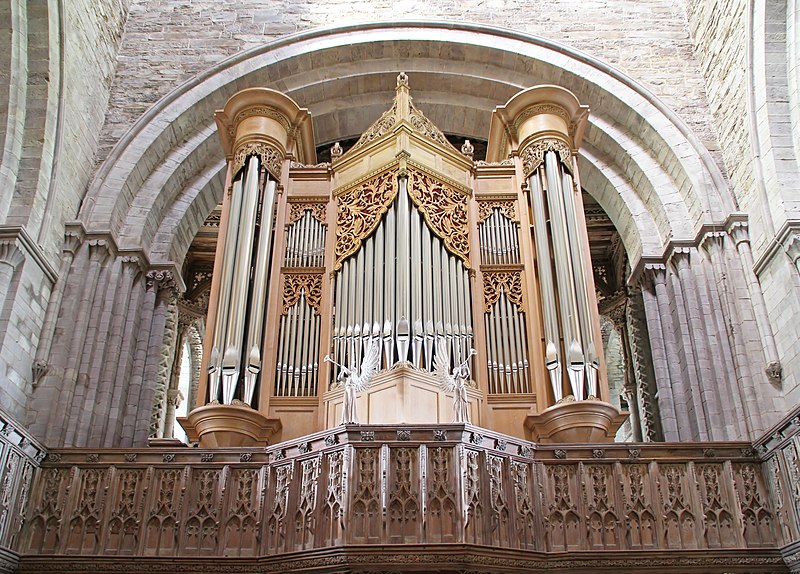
point(168, 41)
point(748, 56)
point(60, 58)
point(718, 29)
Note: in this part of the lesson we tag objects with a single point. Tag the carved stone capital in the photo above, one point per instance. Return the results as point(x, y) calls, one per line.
point(680, 258)
point(774, 372)
point(72, 241)
point(159, 279)
point(39, 369)
point(99, 250)
point(713, 241)
point(174, 397)
point(739, 231)
point(656, 273)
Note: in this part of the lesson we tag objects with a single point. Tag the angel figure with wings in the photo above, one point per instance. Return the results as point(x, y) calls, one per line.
point(455, 382)
point(356, 380)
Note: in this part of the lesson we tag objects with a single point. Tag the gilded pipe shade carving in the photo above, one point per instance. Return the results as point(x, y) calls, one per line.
point(359, 211)
point(297, 284)
point(445, 209)
point(496, 282)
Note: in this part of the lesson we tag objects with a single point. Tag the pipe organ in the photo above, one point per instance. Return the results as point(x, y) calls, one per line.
point(404, 243)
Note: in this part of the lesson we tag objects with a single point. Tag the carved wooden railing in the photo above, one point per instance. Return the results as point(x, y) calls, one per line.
point(445, 498)
point(20, 454)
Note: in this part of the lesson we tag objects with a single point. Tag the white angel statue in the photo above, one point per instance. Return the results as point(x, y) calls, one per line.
point(356, 380)
point(455, 382)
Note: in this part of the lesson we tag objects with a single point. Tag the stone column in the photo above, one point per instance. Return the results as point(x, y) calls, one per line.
point(638, 345)
point(62, 416)
point(72, 242)
point(666, 359)
point(739, 232)
point(159, 354)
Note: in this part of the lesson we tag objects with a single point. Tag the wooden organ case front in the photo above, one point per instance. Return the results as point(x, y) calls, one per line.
point(404, 243)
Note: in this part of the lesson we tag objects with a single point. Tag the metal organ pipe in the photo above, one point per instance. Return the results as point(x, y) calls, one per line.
point(415, 293)
point(566, 289)
point(231, 358)
point(229, 257)
point(581, 290)
point(546, 283)
point(507, 360)
point(297, 368)
point(256, 312)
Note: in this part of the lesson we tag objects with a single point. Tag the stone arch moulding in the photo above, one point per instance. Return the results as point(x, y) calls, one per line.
point(643, 164)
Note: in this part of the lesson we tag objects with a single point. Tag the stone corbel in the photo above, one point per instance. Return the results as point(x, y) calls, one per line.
point(792, 246)
point(10, 253)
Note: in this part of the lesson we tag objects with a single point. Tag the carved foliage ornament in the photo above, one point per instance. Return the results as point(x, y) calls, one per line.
point(359, 211)
point(271, 157)
point(495, 282)
point(296, 284)
point(445, 210)
point(297, 210)
point(380, 127)
point(425, 127)
point(532, 155)
point(507, 207)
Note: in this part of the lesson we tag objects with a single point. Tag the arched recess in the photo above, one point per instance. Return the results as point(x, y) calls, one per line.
point(643, 165)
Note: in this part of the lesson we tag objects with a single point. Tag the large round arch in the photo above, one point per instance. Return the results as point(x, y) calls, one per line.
point(640, 161)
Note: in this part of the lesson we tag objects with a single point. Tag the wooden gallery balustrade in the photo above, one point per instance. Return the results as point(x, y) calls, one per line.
point(444, 498)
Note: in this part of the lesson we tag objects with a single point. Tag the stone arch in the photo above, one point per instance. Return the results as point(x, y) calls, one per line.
point(648, 170)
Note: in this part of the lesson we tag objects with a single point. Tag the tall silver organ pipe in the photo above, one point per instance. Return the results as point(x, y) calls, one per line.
point(235, 362)
point(297, 366)
point(552, 350)
point(564, 294)
point(405, 289)
point(305, 242)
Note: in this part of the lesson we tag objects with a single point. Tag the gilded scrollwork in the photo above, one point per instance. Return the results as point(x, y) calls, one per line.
point(532, 155)
point(496, 282)
point(507, 207)
point(425, 127)
point(297, 284)
point(385, 123)
point(270, 156)
point(296, 211)
point(444, 207)
point(359, 211)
